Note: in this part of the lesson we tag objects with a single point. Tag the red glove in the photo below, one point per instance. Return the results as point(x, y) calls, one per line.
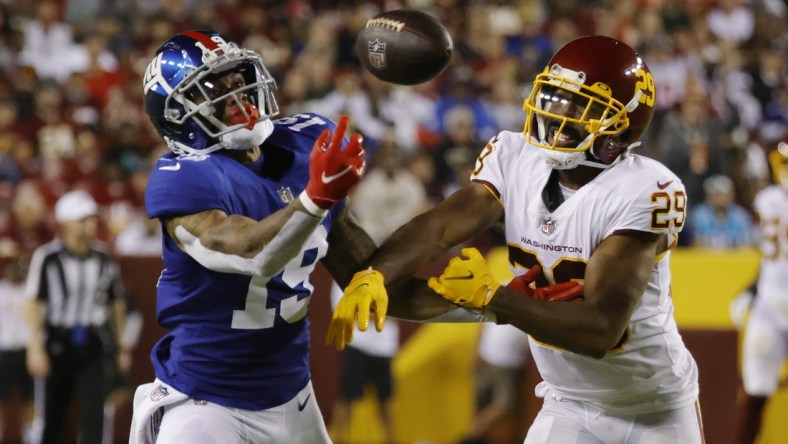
point(563, 292)
point(332, 170)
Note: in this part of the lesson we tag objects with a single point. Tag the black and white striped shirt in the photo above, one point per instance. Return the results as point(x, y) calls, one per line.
point(76, 290)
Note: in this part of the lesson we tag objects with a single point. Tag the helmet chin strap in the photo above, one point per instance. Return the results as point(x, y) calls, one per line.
point(590, 163)
point(599, 163)
point(559, 160)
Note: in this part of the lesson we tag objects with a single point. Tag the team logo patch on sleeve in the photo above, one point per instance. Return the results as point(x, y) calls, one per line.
point(159, 393)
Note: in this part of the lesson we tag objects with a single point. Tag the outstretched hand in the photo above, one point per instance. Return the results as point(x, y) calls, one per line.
point(467, 282)
point(366, 292)
point(333, 171)
point(562, 292)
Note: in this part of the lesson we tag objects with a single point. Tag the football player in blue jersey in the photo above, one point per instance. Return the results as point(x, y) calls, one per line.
point(249, 205)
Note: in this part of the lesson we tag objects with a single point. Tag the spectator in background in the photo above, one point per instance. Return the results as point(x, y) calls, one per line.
point(458, 145)
point(412, 109)
point(461, 162)
point(83, 14)
point(421, 166)
point(690, 144)
point(769, 72)
point(731, 21)
point(719, 222)
point(522, 23)
point(76, 314)
point(14, 335)
point(136, 234)
point(48, 45)
point(389, 195)
point(505, 102)
point(9, 112)
point(674, 78)
point(463, 91)
point(350, 97)
point(10, 41)
point(29, 226)
point(294, 91)
point(49, 128)
point(774, 128)
point(731, 98)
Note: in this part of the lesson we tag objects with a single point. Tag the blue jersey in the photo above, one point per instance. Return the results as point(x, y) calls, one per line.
point(236, 340)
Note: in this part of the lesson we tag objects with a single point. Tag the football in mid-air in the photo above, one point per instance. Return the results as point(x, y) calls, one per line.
point(404, 46)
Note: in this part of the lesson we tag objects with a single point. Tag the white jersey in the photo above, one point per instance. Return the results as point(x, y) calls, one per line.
point(650, 369)
point(771, 204)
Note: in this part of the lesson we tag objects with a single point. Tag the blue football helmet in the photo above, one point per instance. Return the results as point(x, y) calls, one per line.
point(186, 102)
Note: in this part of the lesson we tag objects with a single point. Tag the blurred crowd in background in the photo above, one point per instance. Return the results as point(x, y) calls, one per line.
point(71, 94)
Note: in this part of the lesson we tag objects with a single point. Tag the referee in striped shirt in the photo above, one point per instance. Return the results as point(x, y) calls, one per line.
point(76, 314)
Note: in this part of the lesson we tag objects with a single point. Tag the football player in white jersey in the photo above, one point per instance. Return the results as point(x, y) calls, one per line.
point(582, 215)
point(766, 333)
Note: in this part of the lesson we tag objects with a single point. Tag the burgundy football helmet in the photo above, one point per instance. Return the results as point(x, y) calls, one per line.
point(591, 103)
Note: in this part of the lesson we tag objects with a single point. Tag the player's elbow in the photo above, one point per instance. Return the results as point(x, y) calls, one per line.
point(599, 343)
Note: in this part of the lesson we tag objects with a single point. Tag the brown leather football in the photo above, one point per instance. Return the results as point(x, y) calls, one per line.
point(404, 46)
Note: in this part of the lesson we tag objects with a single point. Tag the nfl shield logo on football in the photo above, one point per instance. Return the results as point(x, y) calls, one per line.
point(376, 50)
point(548, 226)
point(159, 393)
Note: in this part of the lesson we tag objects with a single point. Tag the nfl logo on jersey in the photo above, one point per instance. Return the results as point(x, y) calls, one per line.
point(285, 194)
point(548, 226)
point(159, 393)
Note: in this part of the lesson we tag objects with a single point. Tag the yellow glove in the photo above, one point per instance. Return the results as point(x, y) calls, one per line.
point(365, 291)
point(467, 282)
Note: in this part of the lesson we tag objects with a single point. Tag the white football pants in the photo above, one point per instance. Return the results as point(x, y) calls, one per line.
point(570, 422)
point(190, 421)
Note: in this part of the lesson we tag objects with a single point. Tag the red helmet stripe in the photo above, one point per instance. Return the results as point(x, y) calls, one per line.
point(202, 38)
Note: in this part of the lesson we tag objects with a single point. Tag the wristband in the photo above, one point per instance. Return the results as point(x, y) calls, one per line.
point(310, 206)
